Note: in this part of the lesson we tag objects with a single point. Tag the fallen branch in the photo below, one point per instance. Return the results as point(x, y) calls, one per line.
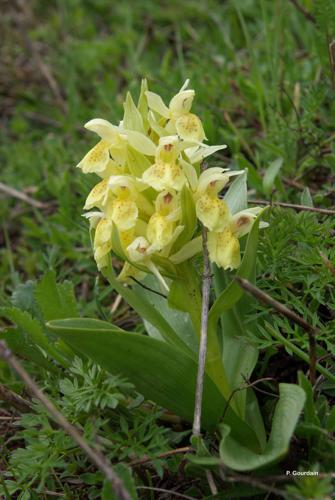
point(299, 208)
point(95, 456)
point(285, 311)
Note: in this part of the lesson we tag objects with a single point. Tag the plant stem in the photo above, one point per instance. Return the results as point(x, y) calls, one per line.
point(95, 456)
point(206, 286)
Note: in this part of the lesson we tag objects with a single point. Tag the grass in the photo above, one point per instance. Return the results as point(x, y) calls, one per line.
point(263, 86)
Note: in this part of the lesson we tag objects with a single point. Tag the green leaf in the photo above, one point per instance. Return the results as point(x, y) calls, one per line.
point(238, 354)
point(23, 296)
point(306, 198)
point(136, 162)
point(20, 345)
point(146, 310)
point(236, 196)
point(286, 415)
point(185, 295)
point(188, 219)
point(34, 331)
point(56, 300)
point(310, 413)
point(179, 321)
point(132, 118)
point(270, 175)
point(125, 475)
point(160, 371)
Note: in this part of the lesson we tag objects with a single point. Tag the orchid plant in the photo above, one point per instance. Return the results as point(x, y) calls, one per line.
point(147, 210)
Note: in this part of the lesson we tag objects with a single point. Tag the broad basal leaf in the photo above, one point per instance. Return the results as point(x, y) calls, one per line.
point(160, 371)
point(286, 415)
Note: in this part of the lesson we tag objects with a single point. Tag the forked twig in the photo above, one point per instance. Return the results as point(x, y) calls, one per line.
point(206, 286)
point(285, 311)
point(95, 456)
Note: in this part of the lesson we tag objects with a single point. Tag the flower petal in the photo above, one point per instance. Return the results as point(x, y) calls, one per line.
point(103, 128)
point(212, 212)
point(156, 103)
point(181, 103)
point(97, 196)
point(189, 128)
point(164, 176)
point(224, 249)
point(124, 213)
point(96, 160)
point(141, 142)
point(159, 231)
point(202, 152)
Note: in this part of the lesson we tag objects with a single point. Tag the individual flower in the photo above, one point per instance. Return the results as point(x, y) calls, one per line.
point(223, 246)
point(212, 211)
point(140, 251)
point(161, 227)
point(179, 118)
point(166, 173)
point(224, 249)
point(121, 207)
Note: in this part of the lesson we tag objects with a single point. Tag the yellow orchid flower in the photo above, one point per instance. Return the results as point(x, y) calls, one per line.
point(98, 195)
point(212, 211)
point(161, 226)
point(96, 160)
point(187, 125)
point(102, 243)
point(144, 163)
point(113, 146)
point(122, 208)
point(224, 249)
point(140, 251)
point(241, 222)
point(166, 173)
point(223, 246)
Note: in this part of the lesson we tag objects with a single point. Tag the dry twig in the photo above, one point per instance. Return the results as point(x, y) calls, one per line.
point(14, 193)
point(300, 208)
point(166, 454)
point(285, 311)
point(172, 493)
point(95, 456)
